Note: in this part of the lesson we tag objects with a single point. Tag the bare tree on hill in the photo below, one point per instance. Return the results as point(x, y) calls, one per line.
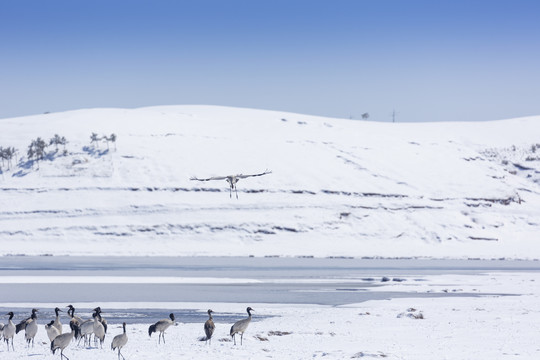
point(58, 140)
point(36, 150)
point(95, 139)
point(7, 154)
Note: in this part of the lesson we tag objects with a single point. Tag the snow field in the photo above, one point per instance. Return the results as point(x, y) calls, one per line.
point(499, 319)
point(442, 190)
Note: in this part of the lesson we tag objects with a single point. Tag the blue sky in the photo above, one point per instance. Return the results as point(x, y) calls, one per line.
point(429, 60)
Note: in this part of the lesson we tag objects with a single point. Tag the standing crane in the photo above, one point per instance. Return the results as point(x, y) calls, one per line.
point(161, 326)
point(31, 328)
point(63, 340)
point(8, 331)
point(209, 327)
point(240, 326)
point(52, 331)
point(119, 341)
point(57, 323)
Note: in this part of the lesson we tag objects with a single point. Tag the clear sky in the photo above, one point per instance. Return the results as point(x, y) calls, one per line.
point(430, 60)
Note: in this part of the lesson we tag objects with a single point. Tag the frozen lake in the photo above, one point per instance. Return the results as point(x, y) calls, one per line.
point(26, 280)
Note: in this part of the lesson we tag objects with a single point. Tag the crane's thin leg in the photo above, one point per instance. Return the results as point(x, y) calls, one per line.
point(62, 354)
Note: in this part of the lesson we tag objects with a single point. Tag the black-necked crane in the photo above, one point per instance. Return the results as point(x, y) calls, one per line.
point(209, 327)
point(231, 179)
point(22, 325)
point(71, 313)
point(31, 328)
point(119, 341)
point(161, 326)
point(52, 331)
point(9, 331)
point(102, 320)
point(240, 326)
point(99, 330)
point(86, 329)
point(63, 340)
point(57, 323)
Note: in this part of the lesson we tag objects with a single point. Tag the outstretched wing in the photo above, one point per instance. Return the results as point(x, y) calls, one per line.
point(210, 178)
point(242, 176)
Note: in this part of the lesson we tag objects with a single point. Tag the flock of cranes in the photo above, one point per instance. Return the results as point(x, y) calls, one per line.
point(97, 326)
point(83, 330)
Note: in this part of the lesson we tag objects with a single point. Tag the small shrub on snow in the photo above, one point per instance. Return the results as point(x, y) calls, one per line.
point(412, 313)
point(279, 333)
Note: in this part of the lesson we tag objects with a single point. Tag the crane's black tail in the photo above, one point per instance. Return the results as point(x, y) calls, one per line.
point(151, 329)
point(20, 326)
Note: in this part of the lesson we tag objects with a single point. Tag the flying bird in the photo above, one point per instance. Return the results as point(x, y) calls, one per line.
point(232, 180)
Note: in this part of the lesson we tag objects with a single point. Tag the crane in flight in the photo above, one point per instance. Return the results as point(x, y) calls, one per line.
point(231, 179)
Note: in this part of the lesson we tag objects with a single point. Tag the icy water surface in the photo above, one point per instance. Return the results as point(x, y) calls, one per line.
point(206, 280)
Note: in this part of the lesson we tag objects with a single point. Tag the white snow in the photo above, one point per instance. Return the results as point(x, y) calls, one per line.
point(338, 187)
point(501, 322)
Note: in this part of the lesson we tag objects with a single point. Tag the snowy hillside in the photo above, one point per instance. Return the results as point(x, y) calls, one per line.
point(337, 188)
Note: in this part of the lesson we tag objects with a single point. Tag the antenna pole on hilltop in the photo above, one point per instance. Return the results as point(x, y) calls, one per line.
point(394, 116)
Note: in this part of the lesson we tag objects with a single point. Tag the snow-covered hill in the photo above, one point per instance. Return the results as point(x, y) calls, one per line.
point(337, 188)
